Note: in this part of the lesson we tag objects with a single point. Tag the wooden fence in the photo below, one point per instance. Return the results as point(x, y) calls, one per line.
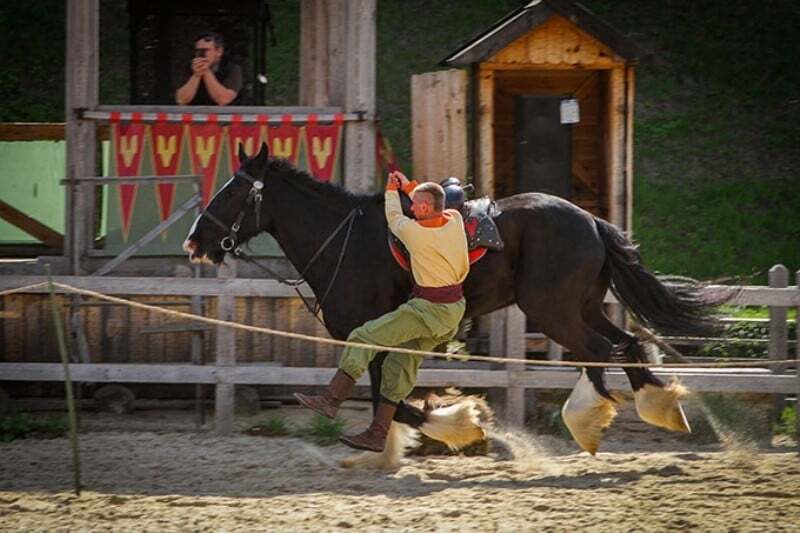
point(507, 338)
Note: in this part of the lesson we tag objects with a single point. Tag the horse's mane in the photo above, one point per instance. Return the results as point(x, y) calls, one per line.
point(332, 193)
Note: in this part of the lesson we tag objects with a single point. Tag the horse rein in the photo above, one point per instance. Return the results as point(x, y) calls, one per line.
point(229, 243)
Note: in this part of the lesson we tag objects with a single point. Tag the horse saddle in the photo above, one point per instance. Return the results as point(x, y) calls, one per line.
point(481, 231)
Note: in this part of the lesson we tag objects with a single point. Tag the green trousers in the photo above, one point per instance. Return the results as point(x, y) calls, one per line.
point(417, 324)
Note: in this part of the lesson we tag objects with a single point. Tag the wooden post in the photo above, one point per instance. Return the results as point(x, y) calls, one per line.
point(82, 81)
point(778, 333)
point(515, 348)
point(615, 146)
point(484, 171)
point(439, 124)
point(359, 157)
point(630, 88)
point(226, 356)
point(555, 352)
point(797, 368)
point(322, 46)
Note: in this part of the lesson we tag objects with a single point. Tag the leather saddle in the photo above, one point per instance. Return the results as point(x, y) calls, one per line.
point(481, 231)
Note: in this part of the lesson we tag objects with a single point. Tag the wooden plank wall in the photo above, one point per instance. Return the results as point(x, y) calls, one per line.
point(439, 125)
point(557, 43)
point(115, 334)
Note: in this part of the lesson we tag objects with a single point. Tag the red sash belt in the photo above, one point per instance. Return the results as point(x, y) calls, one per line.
point(439, 295)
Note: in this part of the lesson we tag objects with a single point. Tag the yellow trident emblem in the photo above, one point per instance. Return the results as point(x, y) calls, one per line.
point(321, 150)
point(248, 144)
point(128, 147)
point(205, 149)
point(282, 147)
point(166, 148)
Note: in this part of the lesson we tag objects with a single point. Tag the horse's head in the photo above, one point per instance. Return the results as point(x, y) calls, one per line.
point(235, 213)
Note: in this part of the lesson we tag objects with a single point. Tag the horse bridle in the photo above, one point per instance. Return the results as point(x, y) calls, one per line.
point(229, 244)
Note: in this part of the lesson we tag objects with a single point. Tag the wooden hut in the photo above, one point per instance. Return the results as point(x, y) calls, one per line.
point(553, 89)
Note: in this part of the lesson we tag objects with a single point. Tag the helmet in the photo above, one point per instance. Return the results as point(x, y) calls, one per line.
point(453, 193)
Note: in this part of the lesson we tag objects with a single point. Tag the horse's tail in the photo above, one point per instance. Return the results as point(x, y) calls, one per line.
point(669, 308)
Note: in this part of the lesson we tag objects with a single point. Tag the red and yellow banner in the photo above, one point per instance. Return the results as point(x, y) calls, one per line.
point(166, 146)
point(248, 135)
point(322, 147)
point(284, 140)
point(128, 142)
point(205, 143)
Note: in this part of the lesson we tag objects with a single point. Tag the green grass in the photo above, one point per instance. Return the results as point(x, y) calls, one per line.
point(322, 431)
point(787, 423)
point(22, 425)
point(271, 426)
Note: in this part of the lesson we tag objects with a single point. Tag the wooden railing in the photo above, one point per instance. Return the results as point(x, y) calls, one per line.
point(508, 339)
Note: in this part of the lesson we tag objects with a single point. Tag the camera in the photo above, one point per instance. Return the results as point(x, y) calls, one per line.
point(200, 52)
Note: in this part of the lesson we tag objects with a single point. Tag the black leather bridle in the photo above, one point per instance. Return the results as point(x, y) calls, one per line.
point(230, 244)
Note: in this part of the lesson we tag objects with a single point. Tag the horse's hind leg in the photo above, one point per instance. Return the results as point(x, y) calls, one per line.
point(590, 408)
point(656, 404)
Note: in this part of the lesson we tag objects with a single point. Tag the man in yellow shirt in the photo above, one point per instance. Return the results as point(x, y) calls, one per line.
point(439, 263)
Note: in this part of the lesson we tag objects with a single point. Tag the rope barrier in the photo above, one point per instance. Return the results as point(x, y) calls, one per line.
point(448, 356)
point(26, 288)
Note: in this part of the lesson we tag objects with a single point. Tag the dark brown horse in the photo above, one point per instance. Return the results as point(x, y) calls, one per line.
point(558, 263)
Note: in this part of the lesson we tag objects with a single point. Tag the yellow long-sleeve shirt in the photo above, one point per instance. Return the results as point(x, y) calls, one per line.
point(438, 254)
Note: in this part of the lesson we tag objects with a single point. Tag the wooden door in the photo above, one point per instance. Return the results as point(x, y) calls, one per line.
point(543, 152)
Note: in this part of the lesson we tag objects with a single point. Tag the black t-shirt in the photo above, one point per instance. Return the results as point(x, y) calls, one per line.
point(228, 74)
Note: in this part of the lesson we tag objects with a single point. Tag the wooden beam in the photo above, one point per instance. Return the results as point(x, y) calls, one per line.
point(82, 86)
point(439, 124)
point(615, 144)
point(270, 288)
point(515, 348)
point(697, 380)
point(629, 109)
point(224, 403)
point(484, 173)
point(41, 131)
point(31, 226)
point(165, 286)
point(359, 156)
point(322, 45)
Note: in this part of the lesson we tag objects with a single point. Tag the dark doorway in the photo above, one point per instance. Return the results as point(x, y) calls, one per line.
point(543, 152)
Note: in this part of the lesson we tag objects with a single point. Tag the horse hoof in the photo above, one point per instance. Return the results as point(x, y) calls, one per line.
point(660, 406)
point(587, 414)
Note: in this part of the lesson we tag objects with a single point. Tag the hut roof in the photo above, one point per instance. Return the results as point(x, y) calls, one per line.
point(526, 18)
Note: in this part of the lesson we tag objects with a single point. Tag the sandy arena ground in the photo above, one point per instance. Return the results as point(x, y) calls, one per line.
point(152, 471)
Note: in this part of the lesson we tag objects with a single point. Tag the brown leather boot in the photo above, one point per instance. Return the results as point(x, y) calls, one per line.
point(374, 438)
point(328, 403)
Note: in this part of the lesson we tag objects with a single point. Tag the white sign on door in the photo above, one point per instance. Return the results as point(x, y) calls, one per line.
point(570, 111)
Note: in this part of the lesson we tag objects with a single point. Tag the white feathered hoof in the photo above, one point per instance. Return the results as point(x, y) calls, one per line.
point(661, 407)
point(587, 414)
point(456, 425)
point(400, 438)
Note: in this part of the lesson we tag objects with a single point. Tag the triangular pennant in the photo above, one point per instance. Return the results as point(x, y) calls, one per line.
point(205, 143)
point(284, 140)
point(322, 147)
point(128, 142)
point(248, 135)
point(166, 144)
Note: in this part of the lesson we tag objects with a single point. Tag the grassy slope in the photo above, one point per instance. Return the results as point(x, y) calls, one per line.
point(717, 140)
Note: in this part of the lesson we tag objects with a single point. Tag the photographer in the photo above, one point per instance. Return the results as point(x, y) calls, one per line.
point(214, 79)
